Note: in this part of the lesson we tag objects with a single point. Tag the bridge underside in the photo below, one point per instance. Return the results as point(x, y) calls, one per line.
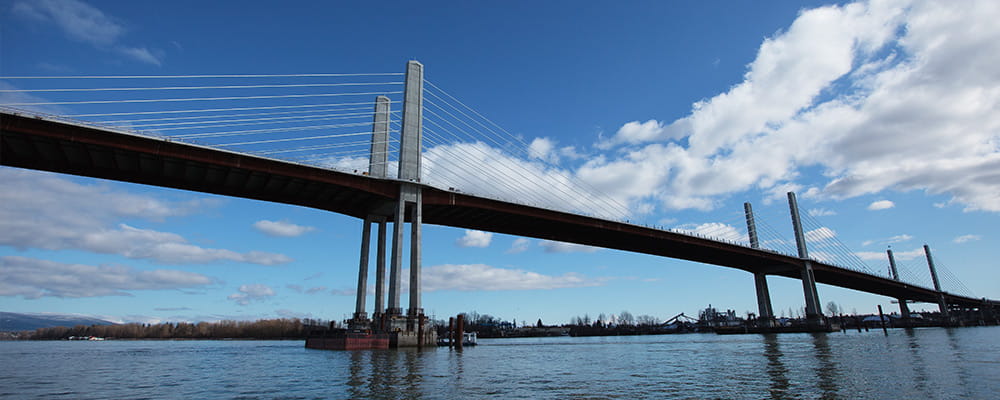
point(78, 150)
point(68, 148)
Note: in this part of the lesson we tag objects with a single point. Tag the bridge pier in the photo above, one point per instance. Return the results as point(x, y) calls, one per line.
point(411, 330)
point(360, 319)
point(813, 311)
point(765, 313)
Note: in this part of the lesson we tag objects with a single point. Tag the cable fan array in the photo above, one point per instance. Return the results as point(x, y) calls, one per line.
point(326, 120)
point(317, 119)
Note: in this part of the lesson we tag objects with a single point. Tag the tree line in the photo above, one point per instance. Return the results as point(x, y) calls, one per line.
point(281, 328)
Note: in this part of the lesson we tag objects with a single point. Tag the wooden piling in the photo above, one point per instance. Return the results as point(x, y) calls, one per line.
point(881, 320)
point(451, 332)
point(460, 333)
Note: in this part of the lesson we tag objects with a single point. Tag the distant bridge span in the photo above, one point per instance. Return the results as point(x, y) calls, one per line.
point(65, 147)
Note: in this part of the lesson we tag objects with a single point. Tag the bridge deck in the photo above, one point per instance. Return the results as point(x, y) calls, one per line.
point(64, 147)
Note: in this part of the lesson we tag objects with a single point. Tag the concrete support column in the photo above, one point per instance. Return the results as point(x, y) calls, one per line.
point(396, 263)
point(378, 160)
point(412, 123)
point(904, 309)
point(409, 170)
point(380, 269)
point(359, 306)
point(378, 164)
point(760, 279)
point(416, 216)
point(937, 284)
point(808, 278)
point(763, 297)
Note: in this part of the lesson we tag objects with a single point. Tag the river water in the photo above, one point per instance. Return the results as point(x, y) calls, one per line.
point(929, 363)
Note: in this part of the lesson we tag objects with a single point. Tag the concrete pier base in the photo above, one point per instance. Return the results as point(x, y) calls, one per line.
point(413, 339)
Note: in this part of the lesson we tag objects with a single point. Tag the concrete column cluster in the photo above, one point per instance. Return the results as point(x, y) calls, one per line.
point(409, 207)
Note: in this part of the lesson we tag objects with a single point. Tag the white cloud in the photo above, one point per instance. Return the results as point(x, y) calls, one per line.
point(881, 95)
point(474, 238)
point(486, 171)
point(821, 212)
point(33, 278)
point(141, 54)
point(284, 313)
point(543, 149)
point(891, 240)
point(67, 215)
point(281, 228)
point(820, 234)
point(636, 132)
point(479, 277)
point(520, 245)
point(562, 247)
point(248, 293)
point(310, 290)
point(899, 255)
point(716, 230)
point(84, 23)
point(967, 238)
point(881, 205)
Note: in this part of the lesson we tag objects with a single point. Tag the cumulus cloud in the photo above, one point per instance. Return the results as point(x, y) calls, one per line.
point(520, 245)
point(550, 246)
point(281, 228)
point(821, 212)
point(880, 95)
point(68, 215)
point(899, 255)
point(716, 230)
point(820, 234)
point(483, 170)
point(474, 238)
point(479, 277)
point(881, 205)
point(640, 132)
point(33, 278)
point(543, 149)
point(85, 23)
point(890, 240)
point(967, 238)
point(249, 293)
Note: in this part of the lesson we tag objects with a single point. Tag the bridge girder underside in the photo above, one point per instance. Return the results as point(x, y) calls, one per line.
point(41, 144)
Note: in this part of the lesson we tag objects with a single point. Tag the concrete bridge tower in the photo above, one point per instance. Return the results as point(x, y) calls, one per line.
point(410, 329)
point(765, 313)
point(813, 312)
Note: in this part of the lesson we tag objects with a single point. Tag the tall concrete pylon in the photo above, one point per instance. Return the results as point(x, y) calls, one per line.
point(904, 309)
point(937, 284)
point(409, 170)
point(813, 311)
point(760, 279)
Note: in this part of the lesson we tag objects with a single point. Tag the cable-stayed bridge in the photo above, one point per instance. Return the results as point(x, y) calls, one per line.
point(337, 142)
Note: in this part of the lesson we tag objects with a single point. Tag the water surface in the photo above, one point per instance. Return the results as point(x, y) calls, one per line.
point(930, 363)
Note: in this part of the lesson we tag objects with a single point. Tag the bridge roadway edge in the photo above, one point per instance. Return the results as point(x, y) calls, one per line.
point(42, 144)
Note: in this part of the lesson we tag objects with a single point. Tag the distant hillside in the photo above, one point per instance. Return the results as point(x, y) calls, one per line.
point(11, 322)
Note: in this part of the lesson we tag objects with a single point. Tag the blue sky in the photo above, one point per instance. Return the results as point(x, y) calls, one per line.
point(881, 115)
